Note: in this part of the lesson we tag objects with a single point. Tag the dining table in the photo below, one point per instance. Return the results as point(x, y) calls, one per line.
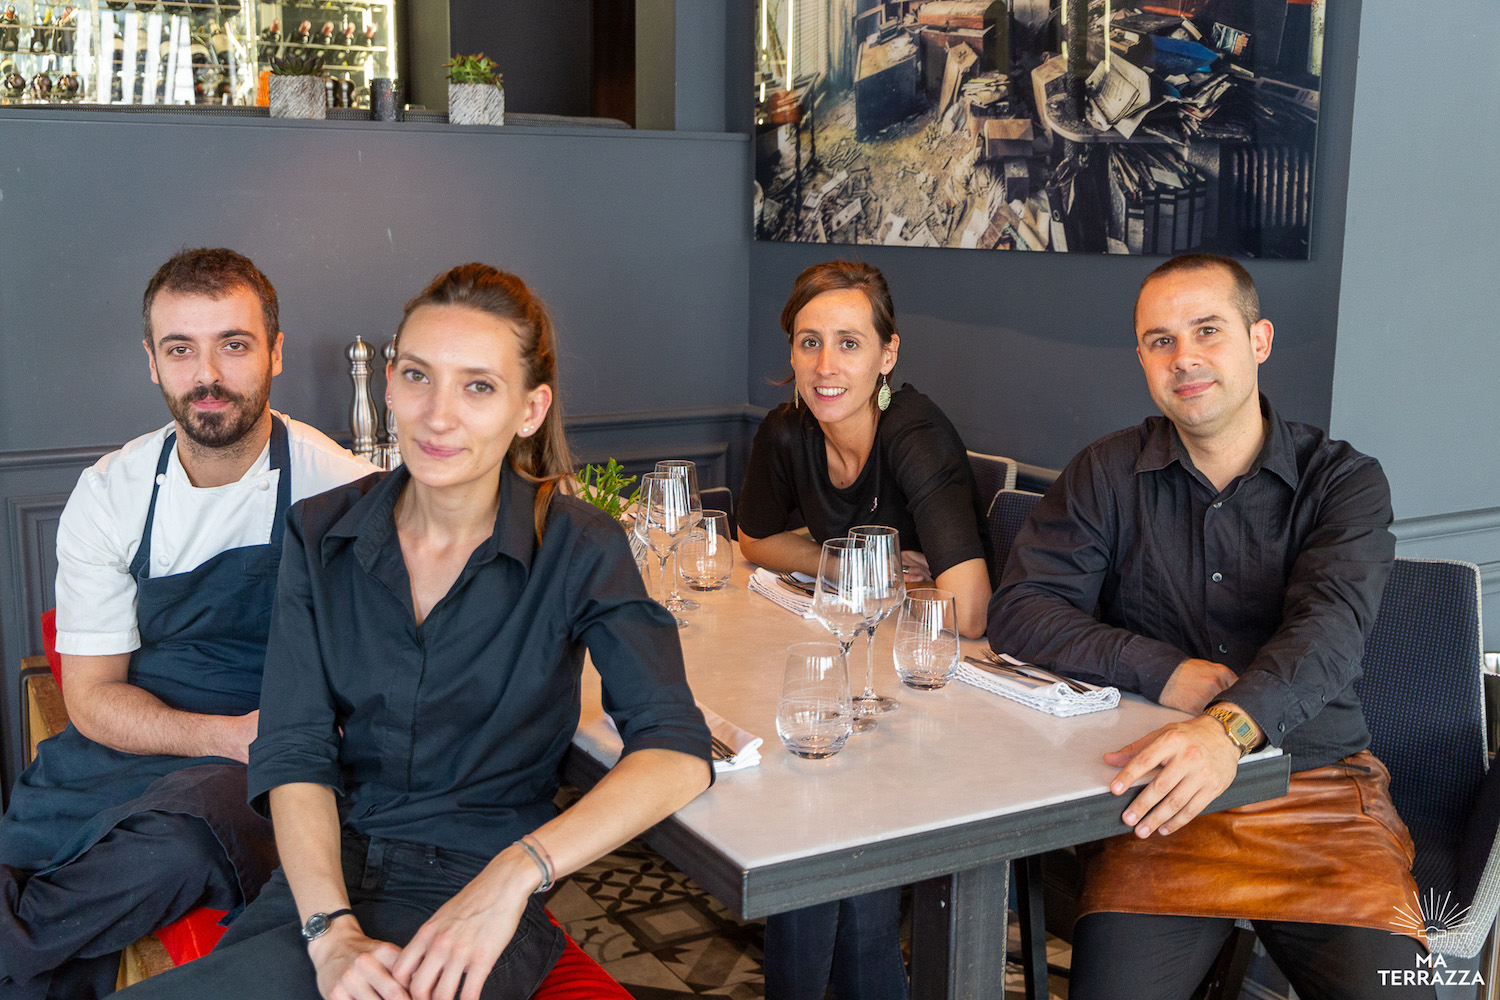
point(943, 794)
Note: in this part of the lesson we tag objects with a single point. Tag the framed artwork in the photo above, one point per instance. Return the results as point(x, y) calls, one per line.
point(1071, 126)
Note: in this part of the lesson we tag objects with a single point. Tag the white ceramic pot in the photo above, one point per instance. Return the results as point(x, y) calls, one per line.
point(476, 104)
point(298, 97)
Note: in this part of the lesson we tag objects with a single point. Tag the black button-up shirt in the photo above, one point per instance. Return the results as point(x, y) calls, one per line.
point(1133, 562)
point(452, 731)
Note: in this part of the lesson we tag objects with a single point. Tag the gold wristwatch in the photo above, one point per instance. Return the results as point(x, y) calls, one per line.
point(1238, 725)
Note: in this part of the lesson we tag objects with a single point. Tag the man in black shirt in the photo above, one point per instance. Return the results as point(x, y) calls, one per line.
point(1227, 563)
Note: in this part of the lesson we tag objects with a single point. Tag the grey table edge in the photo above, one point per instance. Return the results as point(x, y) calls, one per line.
point(960, 872)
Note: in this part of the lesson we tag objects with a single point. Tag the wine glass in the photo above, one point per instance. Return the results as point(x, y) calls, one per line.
point(927, 639)
point(707, 557)
point(664, 521)
point(814, 716)
point(887, 589)
point(689, 473)
point(840, 597)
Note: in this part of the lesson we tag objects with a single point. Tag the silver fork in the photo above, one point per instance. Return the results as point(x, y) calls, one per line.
point(1039, 673)
point(721, 750)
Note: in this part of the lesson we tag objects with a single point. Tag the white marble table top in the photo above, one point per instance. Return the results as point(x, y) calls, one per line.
point(945, 758)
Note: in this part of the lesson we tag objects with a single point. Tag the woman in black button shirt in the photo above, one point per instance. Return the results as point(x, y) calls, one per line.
point(848, 451)
point(422, 683)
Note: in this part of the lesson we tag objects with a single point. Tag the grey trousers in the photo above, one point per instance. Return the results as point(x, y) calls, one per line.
point(394, 887)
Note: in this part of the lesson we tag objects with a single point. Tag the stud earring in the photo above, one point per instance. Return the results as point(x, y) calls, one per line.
point(883, 397)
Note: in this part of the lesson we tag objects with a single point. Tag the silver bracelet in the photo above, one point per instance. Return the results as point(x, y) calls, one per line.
point(545, 869)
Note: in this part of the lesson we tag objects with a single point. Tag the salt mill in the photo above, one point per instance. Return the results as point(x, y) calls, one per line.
point(363, 416)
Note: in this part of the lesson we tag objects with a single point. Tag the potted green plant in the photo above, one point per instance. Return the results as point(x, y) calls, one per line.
point(297, 87)
point(604, 486)
point(476, 95)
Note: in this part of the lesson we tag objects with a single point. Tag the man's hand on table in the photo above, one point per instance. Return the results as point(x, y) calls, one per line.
point(1197, 760)
point(1194, 684)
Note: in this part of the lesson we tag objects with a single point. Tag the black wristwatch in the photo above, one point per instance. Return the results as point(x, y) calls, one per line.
point(317, 925)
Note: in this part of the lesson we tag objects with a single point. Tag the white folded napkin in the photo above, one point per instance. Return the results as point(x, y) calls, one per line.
point(1055, 698)
point(746, 745)
point(764, 583)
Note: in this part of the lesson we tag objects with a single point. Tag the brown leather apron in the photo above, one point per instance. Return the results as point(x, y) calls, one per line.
point(1330, 851)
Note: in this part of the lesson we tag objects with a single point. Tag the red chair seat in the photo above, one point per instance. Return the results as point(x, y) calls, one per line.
point(576, 976)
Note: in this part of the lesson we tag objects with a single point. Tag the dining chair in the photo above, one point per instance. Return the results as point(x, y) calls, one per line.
point(1008, 512)
point(992, 473)
point(721, 498)
point(575, 976)
point(1422, 692)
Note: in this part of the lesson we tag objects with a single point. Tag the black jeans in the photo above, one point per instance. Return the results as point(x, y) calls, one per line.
point(855, 943)
point(394, 887)
point(1148, 956)
point(61, 933)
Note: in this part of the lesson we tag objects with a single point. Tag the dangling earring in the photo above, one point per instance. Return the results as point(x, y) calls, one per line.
point(883, 397)
point(796, 396)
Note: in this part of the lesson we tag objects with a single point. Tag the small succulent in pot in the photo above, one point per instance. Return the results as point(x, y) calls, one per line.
point(296, 85)
point(476, 93)
point(295, 62)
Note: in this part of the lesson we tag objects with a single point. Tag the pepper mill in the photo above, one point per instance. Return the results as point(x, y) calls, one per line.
point(362, 414)
point(392, 446)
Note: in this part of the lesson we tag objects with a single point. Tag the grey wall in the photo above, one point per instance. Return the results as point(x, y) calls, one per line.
point(1415, 382)
point(543, 48)
point(1032, 355)
point(638, 241)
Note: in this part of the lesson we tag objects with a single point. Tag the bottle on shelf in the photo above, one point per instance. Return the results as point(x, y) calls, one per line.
point(41, 29)
point(10, 29)
point(66, 32)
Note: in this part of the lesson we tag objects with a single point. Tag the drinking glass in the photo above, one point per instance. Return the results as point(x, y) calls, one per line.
point(664, 521)
point(707, 557)
point(887, 589)
point(689, 473)
point(927, 639)
point(815, 715)
point(840, 597)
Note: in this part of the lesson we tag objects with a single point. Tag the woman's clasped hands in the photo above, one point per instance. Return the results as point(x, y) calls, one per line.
point(450, 956)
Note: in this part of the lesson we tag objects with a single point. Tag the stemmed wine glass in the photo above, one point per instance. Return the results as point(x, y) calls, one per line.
point(664, 521)
point(887, 588)
point(689, 473)
point(841, 598)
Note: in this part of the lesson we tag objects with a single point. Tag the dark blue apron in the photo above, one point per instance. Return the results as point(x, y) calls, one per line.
point(203, 647)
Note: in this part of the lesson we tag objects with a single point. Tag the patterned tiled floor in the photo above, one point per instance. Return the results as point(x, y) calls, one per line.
point(664, 938)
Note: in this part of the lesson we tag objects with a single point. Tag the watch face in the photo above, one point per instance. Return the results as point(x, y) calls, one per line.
point(316, 926)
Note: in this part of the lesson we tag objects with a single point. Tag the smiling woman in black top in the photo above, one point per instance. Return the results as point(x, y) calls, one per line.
point(422, 684)
point(848, 450)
